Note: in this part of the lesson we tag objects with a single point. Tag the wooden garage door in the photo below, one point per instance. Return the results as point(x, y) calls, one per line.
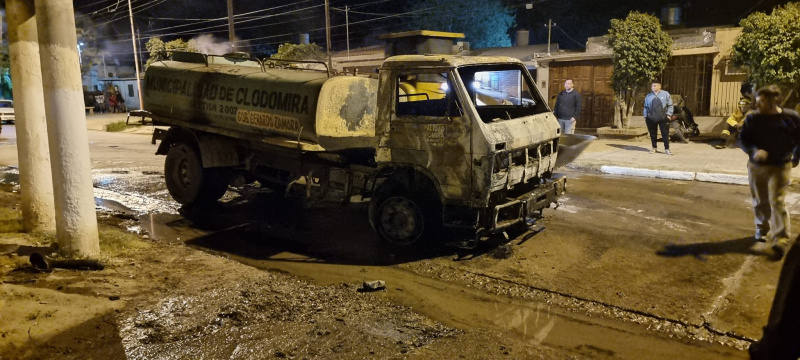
point(593, 80)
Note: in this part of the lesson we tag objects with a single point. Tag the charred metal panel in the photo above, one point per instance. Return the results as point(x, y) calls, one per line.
point(346, 113)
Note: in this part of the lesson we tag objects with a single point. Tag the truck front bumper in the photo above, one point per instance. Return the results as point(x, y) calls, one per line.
point(518, 209)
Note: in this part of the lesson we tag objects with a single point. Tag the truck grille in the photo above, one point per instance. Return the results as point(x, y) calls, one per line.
point(524, 156)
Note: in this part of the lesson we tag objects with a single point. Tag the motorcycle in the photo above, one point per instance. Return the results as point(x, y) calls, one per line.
point(682, 120)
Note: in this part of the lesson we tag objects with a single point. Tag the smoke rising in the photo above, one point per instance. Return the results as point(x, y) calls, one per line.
point(208, 44)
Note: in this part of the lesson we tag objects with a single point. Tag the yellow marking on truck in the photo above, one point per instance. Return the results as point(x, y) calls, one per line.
point(268, 121)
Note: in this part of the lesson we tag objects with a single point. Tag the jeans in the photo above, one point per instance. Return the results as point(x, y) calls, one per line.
point(567, 126)
point(768, 185)
point(652, 128)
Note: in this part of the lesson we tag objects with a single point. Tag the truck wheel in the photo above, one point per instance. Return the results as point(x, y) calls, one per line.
point(398, 219)
point(187, 181)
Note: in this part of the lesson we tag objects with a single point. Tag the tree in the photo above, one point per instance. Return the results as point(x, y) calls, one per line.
point(485, 23)
point(641, 50)
point(160, 50)
point(300, 52)
point(89, 42)
point(769, 47)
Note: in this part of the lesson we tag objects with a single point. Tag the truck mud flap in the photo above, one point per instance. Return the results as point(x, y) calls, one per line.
point(158, 134)
point(520, 208)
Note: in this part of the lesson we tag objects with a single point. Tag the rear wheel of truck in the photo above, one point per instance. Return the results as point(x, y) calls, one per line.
point(187, 181)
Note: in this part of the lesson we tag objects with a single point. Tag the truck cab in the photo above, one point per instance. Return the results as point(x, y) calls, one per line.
point(467, 142)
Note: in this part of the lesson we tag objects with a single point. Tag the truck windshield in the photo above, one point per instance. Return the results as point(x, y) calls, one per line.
point(501, 92)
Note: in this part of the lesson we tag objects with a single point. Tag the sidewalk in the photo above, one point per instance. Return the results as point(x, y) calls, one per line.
point(98, 122)
point(697, 161)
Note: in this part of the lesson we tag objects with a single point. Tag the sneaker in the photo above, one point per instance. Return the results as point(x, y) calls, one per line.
point(653, 151)
point(760, 237)
point(720, 146)
point(667, 152)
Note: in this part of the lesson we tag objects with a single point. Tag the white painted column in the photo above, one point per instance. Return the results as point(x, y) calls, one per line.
point(35, 179)
point(76, 221)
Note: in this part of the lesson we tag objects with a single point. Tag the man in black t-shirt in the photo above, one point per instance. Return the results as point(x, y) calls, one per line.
point(771, 138)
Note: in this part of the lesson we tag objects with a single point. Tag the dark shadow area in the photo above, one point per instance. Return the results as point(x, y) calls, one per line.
point(745, 245)
point(629, 147)
point(261, 225)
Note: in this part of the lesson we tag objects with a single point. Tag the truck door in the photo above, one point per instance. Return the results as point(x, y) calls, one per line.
point(428, 129)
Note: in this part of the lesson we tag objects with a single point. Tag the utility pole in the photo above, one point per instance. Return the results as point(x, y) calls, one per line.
point(328, 26)
point(328, 32)
point(35, 176)
point(549, 30)
point(76, 219)
point(139, 41)
point(231, 36)
point(135, 58)
point(347, 27)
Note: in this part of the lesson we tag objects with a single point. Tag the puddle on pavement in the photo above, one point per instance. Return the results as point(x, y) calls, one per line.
point(128, 191)
point(132, 192)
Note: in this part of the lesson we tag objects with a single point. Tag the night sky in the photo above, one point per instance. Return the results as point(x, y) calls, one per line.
point(262, 25)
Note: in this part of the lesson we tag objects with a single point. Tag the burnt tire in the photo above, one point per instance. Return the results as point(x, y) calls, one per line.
point(187, 181)
point(398, 219)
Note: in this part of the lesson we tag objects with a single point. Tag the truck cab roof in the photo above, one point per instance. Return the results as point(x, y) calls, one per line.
point(405, 61)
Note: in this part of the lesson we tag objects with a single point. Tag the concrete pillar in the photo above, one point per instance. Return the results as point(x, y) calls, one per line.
point(76, 221)
point(35, 179)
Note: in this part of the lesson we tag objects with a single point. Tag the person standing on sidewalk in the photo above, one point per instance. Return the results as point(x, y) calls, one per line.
point(568, 107)
point(657, 111)
point(771, 138)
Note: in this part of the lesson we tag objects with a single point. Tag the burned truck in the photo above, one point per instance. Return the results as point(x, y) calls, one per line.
point(431, 141)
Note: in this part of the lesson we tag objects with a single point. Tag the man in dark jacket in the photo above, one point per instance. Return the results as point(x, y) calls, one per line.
point(771, 138)
point(568, 107)
point(657, 113)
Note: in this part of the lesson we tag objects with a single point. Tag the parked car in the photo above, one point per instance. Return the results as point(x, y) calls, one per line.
point(6, 111)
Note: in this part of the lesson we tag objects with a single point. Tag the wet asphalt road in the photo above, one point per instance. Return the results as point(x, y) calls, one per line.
point(624, 267)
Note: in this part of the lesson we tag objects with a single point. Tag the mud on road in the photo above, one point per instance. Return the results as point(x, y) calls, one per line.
point(159, 299)
point(259, 276)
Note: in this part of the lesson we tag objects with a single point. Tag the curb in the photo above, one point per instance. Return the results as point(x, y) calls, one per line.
point(677, 175)
point(665, 174)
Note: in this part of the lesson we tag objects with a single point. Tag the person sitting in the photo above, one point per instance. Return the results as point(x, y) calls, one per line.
point(734, 123)
point(100, 102)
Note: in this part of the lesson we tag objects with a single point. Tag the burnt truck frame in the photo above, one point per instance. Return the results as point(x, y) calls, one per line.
point(457, 142)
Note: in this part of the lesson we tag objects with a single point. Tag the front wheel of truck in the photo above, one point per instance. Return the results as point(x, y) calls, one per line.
point(398, 219)
point(187, 181)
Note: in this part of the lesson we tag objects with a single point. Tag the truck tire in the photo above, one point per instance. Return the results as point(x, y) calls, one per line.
point(187, 181)
point(398, 219)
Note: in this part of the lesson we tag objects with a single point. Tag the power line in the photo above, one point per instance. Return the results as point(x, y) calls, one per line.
point(569, 37)
point(150, 32)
